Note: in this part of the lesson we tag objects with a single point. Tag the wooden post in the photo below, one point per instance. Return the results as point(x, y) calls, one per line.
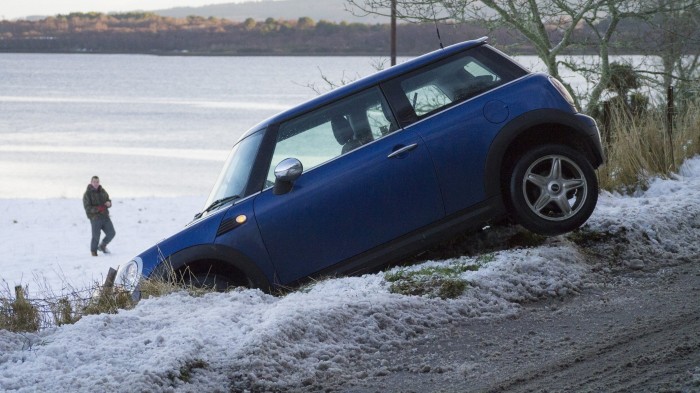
point(669, 122)
point(109, 282)
point(19, 293)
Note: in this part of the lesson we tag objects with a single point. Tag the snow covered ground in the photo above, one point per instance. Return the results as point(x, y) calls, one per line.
point(47, 241)
point(248, 340)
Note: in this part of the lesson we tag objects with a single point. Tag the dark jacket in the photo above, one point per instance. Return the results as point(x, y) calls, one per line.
point(94, 202)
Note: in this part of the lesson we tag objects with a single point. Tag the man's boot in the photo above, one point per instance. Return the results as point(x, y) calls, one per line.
point(103, 247)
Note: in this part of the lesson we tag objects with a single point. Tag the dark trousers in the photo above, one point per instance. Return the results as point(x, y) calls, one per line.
point(101, 223)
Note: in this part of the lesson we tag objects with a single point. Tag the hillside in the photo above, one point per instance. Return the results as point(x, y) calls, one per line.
point(197, 35)
point(284, 27)
point(329, 10)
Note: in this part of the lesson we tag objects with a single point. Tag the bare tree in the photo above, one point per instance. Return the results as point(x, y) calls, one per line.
point(550, 26)
point(678, 33)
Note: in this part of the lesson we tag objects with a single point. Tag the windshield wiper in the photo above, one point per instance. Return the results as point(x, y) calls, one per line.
point(216, 204)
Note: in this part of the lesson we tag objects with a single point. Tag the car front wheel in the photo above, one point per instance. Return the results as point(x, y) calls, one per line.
point(208, 281)
point(553, 189)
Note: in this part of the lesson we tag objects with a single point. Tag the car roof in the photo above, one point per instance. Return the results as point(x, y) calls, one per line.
point(367, 81)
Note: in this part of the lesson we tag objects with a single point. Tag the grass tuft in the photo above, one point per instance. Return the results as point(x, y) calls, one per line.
point(63, 312)
point(108, 302)
point(185, 372)
point(433, 281)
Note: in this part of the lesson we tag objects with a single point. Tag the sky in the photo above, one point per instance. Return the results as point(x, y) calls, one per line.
point(14, 9)
point(245, 340)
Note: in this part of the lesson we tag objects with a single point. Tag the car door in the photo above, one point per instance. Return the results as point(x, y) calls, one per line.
point(364, 184)
point(447, 105)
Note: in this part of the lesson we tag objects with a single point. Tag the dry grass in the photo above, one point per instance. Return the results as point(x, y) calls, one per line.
point(21, 313)
point(641, 148)
point(162, 287)
point(173, 282)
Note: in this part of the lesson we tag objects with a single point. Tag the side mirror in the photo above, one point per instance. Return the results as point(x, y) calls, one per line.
point(286, 173)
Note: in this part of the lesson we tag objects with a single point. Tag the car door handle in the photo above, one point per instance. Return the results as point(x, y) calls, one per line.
point(402, 150)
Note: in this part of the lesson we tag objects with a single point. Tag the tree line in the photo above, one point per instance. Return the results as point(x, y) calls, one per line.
point(150, 33)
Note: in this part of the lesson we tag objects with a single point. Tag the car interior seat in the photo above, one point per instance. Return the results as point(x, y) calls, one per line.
point(344, 134)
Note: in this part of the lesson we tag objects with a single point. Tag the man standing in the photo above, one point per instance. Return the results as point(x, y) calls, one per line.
point(96, 202)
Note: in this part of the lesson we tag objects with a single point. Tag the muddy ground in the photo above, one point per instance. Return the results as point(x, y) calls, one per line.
point(638, 333)
point(634, 328)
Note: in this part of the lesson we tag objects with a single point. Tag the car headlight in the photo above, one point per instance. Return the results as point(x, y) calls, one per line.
point(129, 274)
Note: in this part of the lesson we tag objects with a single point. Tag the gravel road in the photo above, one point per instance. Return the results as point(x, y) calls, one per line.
point(636, 329)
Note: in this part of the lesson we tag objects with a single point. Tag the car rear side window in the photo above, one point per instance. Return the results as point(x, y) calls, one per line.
point(455, 80)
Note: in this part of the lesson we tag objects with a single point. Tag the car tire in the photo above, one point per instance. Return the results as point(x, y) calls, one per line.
point(553, 189)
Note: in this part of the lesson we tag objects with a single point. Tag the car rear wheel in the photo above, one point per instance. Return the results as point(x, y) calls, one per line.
point(553, 189)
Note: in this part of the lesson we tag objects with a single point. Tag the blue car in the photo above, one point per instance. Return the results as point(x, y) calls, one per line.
point(376, 170)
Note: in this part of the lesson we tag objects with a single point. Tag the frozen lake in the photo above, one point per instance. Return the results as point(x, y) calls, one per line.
point(147, 125)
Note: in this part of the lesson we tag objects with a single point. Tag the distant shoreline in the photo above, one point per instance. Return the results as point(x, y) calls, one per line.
point(150, 34)
point(511, 52)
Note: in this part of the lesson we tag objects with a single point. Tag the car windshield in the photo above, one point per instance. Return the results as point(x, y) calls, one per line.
point(234, 177)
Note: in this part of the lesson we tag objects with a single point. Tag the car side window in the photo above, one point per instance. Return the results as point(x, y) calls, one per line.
point(454, 80)
point(333, 130)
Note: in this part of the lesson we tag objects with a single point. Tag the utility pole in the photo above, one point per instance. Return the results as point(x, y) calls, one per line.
point(393, 32)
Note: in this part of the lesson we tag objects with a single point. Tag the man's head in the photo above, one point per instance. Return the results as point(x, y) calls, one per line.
point(95, 182)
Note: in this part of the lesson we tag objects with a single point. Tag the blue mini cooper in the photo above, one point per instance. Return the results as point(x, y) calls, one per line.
point(382, 167)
